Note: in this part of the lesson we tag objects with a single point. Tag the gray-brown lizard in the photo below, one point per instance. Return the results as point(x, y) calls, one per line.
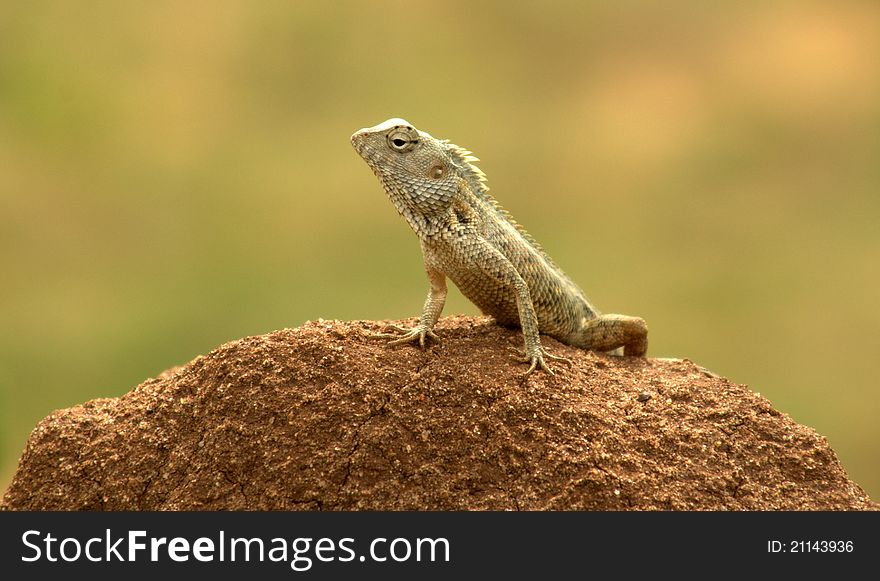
point(466, 236)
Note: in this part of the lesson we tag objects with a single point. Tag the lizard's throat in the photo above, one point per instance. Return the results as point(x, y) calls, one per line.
point(424, 219)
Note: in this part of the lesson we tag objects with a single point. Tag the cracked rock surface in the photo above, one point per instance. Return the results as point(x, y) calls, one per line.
point(323, 417)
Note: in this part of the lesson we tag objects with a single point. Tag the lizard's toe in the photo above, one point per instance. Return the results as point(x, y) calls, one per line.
point(538, 362)
point(536, 359)
point(417, 333)
point(430, 335)
point(398, 328)
point(549, 355)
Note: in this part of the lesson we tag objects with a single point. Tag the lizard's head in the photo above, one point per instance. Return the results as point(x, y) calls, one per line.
point(422, 175)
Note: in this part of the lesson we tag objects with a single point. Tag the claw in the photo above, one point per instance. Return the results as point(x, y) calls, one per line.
point(409, 335)
point(536, 360)
point(399, 329)
point(549, 355)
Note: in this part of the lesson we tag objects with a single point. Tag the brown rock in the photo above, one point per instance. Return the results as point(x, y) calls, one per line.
point(325, 417)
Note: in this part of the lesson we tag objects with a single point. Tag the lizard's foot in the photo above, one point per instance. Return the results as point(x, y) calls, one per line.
point(536, 359)
point(417, 333)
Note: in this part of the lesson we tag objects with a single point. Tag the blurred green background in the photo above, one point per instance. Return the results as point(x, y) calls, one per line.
point(174, 175)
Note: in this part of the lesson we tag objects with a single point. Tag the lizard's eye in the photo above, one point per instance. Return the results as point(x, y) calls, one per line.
point(403, 138)
point(437, 172)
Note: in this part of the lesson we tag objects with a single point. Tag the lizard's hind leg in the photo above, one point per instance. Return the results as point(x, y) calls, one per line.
point(610, 332)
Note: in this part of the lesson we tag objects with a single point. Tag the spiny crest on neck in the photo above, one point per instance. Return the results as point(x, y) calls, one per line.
point(464, 160)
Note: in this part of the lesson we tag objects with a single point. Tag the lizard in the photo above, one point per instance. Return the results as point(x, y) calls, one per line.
point(467, 236)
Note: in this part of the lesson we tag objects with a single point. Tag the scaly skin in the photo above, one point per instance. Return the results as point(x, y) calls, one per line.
point(466, 236)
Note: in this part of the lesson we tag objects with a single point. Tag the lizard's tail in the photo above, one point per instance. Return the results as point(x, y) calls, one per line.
point(610, 332)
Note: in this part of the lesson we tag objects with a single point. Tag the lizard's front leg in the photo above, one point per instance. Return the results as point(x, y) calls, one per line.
point(430, 313)
point(533, 353)
point(494, 264)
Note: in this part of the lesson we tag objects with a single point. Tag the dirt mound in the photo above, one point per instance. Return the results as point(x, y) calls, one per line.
point(325, 417)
